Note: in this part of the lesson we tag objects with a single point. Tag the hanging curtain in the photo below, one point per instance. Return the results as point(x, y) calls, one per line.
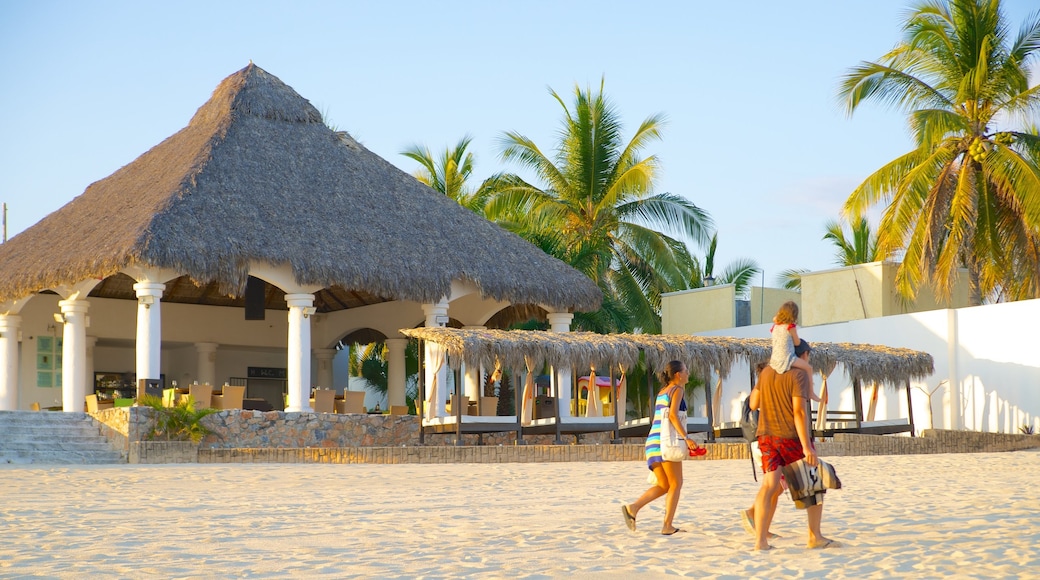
point(716, 407)
point(528, 398)
point(621, 402)
point(872, 409)
point(821, 409)
point(593, 404)
point(435, 361)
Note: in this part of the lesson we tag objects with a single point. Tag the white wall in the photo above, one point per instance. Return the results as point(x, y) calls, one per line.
point(985, 354)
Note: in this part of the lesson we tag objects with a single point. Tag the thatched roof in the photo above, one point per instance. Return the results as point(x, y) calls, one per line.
point(257, 176)
point(864, 362)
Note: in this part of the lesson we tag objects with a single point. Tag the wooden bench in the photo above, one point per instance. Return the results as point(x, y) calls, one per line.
point(849, 422)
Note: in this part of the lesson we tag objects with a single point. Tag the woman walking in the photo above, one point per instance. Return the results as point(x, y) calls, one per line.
point(670, 407)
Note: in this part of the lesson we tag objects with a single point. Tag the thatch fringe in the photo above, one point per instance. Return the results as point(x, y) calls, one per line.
point(702, 354)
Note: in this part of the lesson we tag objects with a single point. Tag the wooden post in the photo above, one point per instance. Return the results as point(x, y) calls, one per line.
point(422, 393)
point(708, 410)
point(857, 398)
point(910, 408)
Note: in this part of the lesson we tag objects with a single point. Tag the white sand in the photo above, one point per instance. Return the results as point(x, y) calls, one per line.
point(926, 516)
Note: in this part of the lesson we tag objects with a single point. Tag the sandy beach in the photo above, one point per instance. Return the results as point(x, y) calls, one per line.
point(923, 516)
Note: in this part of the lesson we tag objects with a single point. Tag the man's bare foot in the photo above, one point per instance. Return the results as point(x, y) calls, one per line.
point(749, 524)
point(763, 548)
point(822, 543)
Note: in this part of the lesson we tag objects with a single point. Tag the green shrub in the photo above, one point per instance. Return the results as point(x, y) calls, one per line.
point(182, 422)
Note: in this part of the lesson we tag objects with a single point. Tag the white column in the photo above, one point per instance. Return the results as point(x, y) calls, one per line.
point(91, 342)
point(9, 325)
point(436, 315)
point(561, 322)
point(149, 329)
point(206, 363)
point(324, 358)
point(953, 404)
point(74, 355)
point(395, 370)
point(298, 365)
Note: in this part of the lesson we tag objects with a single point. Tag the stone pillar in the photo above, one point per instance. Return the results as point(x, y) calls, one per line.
point(436, 315)
point(298, 364)
point(74, 355)
point(91, 342)
point(395, 370)
point(324, 358)
point(9, 328)
point(149, 329)
point(206, 363)
point(561, 322)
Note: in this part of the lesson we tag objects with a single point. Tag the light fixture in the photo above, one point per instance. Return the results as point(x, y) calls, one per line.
point(309, 311)
point(442, 320)
point(147, 300)
point(709, 280)
point(59, 318)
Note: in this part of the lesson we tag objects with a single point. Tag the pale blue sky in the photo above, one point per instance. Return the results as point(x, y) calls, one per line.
point(755, 135)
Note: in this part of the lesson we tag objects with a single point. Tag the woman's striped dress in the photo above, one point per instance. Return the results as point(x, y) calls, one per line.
point(653, 440)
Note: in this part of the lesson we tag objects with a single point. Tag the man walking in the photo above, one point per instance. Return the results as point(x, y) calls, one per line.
point(784, 436)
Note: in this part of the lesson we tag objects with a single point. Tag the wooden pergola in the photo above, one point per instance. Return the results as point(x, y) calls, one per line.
point(523, 350)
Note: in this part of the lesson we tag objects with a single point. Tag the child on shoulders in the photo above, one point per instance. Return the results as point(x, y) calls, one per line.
point(785, 337)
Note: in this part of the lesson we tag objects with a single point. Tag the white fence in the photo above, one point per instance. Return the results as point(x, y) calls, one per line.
point(987, 368)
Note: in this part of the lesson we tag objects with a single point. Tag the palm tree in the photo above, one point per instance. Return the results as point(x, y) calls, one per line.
point(791, 279)
point(450, 174)
point(370, 363)
point(698, 275)
point(595, 209)
point(859, 247)
point(968, 194)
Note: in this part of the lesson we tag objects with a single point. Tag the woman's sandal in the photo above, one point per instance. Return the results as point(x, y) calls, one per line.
point(630, 520)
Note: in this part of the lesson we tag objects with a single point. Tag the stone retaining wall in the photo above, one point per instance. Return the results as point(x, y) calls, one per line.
point(115, 426)
point(845, 444)
point(233, 429)
point(265, 437)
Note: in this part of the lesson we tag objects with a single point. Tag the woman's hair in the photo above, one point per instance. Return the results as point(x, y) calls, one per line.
point(788, 313)
point(670, 370)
